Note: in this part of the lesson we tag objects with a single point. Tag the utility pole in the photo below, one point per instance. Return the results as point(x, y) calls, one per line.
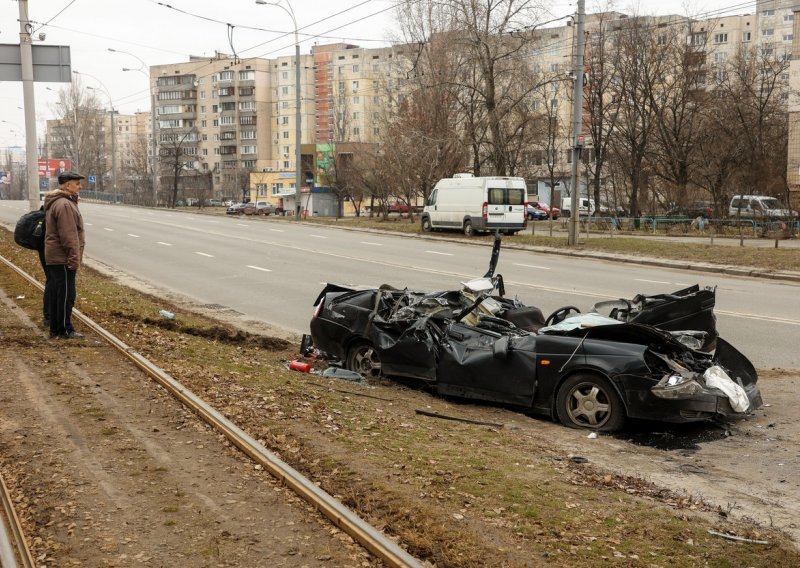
point(26, 59)
point(577, 126)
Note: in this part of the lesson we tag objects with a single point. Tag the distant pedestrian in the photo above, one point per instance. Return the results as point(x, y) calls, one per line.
point(699, 223)
point(63, 251)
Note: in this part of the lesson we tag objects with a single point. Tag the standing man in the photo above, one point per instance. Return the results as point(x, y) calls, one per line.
point(63, 250)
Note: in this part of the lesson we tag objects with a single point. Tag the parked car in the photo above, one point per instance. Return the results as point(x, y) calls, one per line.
point(554, 211)
point(240, 209)
point(536, 214)
point(264, 208)
point(697, 209)
point(759, 207)
point(655, 357)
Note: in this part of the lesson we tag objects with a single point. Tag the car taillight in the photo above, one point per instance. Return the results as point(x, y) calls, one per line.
point(485, 210)
point(318, 309)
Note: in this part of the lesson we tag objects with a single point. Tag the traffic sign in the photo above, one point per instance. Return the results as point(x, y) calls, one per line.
point(92, 179)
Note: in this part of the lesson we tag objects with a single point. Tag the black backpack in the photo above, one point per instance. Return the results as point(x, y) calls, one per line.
point(29, 232)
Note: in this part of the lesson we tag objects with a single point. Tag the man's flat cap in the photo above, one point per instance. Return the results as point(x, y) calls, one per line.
point(67, 176)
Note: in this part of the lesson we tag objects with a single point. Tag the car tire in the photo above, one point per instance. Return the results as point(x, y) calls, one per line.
point(468, 230)
point(590, 402)
point(363, 358)
point(426, 225)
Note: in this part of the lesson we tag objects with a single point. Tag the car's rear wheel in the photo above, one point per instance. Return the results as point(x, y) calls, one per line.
point(363, 358)
point(468, 230)
point(589, 401)
point(426, 225)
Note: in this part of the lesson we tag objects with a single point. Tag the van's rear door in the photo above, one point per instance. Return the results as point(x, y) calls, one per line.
point(506, 207)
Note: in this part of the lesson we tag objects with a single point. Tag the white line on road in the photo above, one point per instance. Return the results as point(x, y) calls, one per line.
point(441, 253)
point(318, 236)
point(242, 225)
point(165, 244)
point(212, 221)
point(371, 244)
point(108, 229)
point(533, 266)
point(134, 236)
point(651, 281)
point(258, 268)
point(204, 254)
point(279, 231)
point(89, 224)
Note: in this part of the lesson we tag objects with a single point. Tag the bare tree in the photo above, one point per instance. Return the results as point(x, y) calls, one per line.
point(175, 161)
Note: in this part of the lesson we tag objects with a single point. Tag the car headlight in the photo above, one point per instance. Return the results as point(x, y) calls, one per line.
point(675, 386)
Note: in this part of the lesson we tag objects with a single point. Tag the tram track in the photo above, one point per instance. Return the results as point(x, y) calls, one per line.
point(14, 549)
point(338, 514)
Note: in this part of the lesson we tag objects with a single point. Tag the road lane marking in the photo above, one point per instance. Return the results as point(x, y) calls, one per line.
point(533, 266)
point(441, 253)
point(651, 281)
point(242, 225)
point(279, 231)
point(89, 224)
point(318, 236)
point(258, 268)
point(108, 229)
point(134, 236)
point(165, 244)
point(371, 244)
point(204, 254)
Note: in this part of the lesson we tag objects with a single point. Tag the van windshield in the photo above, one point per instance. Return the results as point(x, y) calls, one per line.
point(506, 196)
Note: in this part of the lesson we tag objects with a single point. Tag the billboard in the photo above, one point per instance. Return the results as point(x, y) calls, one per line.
point(51, 167)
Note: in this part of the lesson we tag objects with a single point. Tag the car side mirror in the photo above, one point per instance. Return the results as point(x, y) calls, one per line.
point(500, 348)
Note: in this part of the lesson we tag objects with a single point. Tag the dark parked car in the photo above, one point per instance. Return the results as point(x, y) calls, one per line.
point(535, 214)
point(652, 357)
point(696, 209)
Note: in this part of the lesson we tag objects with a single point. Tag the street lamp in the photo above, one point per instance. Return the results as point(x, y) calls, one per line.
point(113, 132)
point(297, 153)
point(154, 144)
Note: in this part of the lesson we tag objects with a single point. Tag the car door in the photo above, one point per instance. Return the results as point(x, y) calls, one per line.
point(484, 365)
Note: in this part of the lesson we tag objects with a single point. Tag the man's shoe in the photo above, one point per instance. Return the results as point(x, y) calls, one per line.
point(73, 335)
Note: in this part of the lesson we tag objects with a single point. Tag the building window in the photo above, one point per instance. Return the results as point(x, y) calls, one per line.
point(286, 164)
point(284, 120)
point(246, 91)
point(356, 100)
point(698, 38)
point(247, 105)
point(746, 36)
point(286, 134)
point(356, 131)
point(768, 13)
point(720, 57)
point(355, 86)
point(554, 67)
point(720, 38)
point(356, 115)
point(285, 105)
point(225, 76)
point(355, 68)
point(285, 75)
point(285, 91)
point(768, 33)
point(248, 164)
point(216, 138)
point(788, 17)
point(203, 123)
point(248, 135)
point(247, 75)
point(248, 149)
point(214, 108)
point(788, 37)
point(226, 120)
point(205, 151)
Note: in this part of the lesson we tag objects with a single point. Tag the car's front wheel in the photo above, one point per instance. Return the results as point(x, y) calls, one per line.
point(426, 225)
point(589, 401)
point(363, 358)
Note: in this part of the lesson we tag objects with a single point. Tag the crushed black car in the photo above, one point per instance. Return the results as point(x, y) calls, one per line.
point(654, 357)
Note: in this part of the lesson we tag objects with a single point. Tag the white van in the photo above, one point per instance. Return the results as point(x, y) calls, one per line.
point(758, 206)
point(585, 207)
point(476, 204)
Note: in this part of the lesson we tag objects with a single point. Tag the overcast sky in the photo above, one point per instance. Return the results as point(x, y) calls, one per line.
point(171, 30)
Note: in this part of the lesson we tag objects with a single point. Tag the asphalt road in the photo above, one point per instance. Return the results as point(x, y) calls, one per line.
point(272, 270)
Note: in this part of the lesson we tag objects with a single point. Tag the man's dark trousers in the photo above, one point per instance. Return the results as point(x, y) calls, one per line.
point(62, 299)
point(48, 285)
